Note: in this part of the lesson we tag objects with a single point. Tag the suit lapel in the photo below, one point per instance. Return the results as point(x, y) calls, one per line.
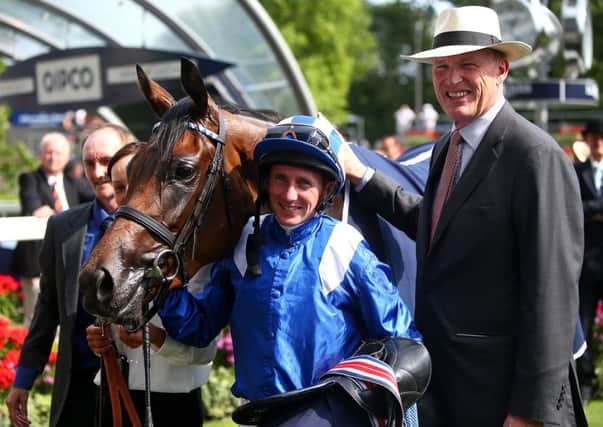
point(71, 249)
point(586, 172)
point(70, 191)
point(476, 170)
point(45, 191)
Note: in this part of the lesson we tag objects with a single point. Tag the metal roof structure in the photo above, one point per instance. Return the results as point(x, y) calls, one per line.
point(264, 74)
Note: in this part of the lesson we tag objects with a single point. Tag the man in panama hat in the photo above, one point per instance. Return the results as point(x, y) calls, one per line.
point(499, 242)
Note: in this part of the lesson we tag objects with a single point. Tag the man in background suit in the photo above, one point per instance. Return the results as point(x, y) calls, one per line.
point(43, 193)
point(590, 175)
point(499, 242)
point(70, 237)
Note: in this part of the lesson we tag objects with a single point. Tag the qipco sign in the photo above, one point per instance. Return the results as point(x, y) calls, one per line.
point(69, 80)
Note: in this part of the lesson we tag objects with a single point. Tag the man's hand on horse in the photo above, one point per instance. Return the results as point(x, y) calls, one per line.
point(99, 341)
point(353, 166)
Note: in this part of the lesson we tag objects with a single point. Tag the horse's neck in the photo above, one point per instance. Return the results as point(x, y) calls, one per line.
point(234, 199)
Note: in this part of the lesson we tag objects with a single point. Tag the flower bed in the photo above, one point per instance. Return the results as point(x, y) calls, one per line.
point(12, 336)
point(217, 399)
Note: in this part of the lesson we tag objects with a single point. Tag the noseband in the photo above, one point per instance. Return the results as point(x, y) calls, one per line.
point(170, 262)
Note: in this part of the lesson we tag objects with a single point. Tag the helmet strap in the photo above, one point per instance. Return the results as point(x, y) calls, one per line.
point(254, 241)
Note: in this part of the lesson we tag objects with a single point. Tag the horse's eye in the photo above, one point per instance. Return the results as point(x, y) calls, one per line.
point(185, 172)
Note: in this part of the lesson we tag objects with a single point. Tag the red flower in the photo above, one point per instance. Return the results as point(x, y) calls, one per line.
point(4, 322)
point(7, 376)
point(11, 358)
point(52, 359)
point(18, 334)
point(8, 284)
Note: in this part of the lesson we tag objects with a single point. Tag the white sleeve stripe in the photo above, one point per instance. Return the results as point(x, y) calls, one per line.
point(418, 158)
point(338, 254)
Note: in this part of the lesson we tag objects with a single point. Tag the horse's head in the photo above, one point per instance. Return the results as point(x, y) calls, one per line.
point(191, 189)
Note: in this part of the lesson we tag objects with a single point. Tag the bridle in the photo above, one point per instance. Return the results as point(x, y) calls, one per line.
point(169, 263)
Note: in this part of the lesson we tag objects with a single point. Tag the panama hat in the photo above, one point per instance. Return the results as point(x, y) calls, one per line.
point(467, 29)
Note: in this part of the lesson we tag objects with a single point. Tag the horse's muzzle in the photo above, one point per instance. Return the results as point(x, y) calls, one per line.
point(97, 287)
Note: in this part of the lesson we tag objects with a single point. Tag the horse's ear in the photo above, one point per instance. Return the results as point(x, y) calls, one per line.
point(193, 85)
point(158, 98)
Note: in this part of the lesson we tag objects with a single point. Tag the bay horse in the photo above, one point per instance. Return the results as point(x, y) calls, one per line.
point(194, 177)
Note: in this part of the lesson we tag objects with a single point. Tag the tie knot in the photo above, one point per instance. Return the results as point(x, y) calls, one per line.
point(106, 224)
point(456, 137)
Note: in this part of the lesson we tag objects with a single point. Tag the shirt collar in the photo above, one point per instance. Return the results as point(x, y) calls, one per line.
point(298, 233)
point(474, 132)
point(595, 164)
point(54, 179)
point(99, 214)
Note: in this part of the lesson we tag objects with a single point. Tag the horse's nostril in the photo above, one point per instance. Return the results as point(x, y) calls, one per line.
point(104, 288)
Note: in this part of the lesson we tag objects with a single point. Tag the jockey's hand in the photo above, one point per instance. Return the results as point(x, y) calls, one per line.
point(97, 341)
point(353, 166)
point(134, 340)
point(17, 406)
point(513, 421)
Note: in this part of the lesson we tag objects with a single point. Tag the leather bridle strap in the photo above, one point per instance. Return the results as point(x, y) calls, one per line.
point(153, 226)
point(118, 387)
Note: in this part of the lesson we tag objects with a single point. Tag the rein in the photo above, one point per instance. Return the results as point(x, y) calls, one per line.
point(118, 388)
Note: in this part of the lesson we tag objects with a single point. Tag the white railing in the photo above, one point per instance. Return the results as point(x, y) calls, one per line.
point(22, 228)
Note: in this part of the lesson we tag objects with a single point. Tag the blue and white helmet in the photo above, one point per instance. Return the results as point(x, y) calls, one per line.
point(303, 141)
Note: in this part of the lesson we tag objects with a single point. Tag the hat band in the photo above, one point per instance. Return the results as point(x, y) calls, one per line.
point(474, 38)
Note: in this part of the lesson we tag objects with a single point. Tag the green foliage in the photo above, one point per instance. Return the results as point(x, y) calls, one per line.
point(594, 413)
point(596, 72)
point(224, 422)
point(218, 401)
point(332, 44)
point(378, 94)
point(38, 410)
point(14, 159)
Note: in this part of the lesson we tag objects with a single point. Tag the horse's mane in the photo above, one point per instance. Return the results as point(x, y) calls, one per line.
point(260, 114)
point(174, 123)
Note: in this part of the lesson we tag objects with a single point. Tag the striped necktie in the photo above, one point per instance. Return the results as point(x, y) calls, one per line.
point(58, 206)
point(447, 179)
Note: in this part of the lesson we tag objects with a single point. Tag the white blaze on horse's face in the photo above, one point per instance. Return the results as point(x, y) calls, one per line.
point(294, 193)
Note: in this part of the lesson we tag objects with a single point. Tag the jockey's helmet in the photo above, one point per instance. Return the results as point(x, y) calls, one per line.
point(303, 141)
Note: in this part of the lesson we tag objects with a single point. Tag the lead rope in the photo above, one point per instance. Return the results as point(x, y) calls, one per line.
point(146, 350)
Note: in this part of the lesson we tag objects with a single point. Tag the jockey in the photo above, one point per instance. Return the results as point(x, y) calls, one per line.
point(302, 291)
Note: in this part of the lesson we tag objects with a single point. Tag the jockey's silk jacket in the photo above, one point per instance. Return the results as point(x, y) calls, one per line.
point(321, 291)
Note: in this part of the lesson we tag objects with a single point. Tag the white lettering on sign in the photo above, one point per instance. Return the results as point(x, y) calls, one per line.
point(19, 86)
point(159, 70)
point(68, 80)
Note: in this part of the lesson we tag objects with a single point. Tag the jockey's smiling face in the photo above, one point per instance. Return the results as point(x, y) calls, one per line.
point(295, 192)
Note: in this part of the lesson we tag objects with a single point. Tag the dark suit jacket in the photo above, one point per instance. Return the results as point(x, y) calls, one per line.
point(497, 289)
point(58, 301)
point(592, 204)
point(35, 192)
